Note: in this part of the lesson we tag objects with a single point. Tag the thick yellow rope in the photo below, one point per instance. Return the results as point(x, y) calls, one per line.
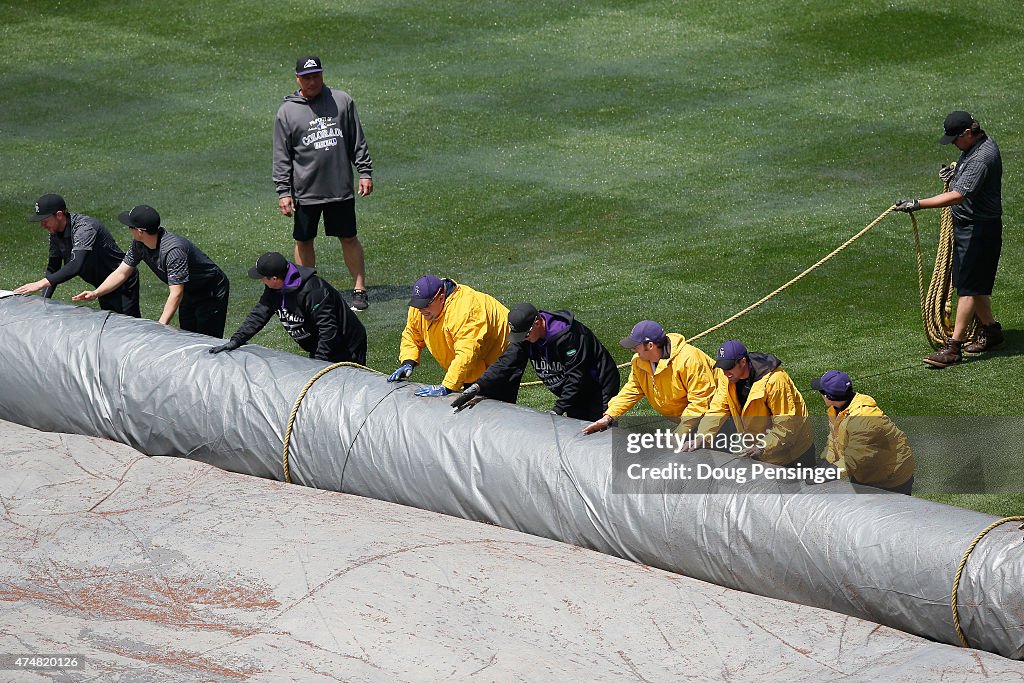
point(295, 410)
point(960, 571)
point(777, 291)
point(937, 302)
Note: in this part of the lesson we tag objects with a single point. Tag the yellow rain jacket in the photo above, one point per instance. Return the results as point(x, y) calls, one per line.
point(774, 408)
point(470, 334)
point(680, 386)
point(866, 446)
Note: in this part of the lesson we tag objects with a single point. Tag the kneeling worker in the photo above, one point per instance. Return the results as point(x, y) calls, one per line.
point(566, 355)
point(765, 407)
point(464, 330)
point(863, 443)
point(675, 377)
point(311, 311)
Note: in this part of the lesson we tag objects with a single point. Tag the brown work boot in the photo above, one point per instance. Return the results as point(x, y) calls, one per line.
point(947, 355)
point(989, 338)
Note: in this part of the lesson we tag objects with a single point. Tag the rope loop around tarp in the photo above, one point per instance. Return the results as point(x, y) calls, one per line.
point(960, 571)
point(295, 411)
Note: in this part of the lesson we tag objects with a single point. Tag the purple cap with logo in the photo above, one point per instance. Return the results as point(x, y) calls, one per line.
point(835, 384)
point(729, 354)
point(643, 332)
point(424, 290)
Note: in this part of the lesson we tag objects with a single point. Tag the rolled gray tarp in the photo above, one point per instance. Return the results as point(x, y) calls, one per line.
point(887, 559)
point(165, 569)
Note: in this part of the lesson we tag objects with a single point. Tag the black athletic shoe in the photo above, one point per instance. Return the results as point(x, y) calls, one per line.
point(359, 302)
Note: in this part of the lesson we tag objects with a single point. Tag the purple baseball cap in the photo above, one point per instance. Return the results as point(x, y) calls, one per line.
point(424, 290)
point(835, 384)
point(643, 332)
point(729, 354)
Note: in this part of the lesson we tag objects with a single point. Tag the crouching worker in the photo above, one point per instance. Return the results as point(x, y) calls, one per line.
point(863, 443)
point(675, 378)
point(464, 330)
point(311, 311)
point(566, 355)
point(758, 412)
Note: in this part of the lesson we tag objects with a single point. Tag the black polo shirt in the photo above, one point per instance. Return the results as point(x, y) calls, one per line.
point(176, 261)
point(979, 178)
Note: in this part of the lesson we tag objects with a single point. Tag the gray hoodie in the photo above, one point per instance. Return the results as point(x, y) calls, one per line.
point(316, 144)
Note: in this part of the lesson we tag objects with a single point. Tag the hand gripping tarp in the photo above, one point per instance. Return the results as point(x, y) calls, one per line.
point(887, 559)
point(165, 569)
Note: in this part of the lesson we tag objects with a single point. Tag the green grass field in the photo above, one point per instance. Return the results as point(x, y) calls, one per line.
point(629, 160)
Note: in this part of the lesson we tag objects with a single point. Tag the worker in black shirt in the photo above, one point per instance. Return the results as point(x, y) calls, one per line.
point(312, 312)
point(80, 246)
point(197, 288)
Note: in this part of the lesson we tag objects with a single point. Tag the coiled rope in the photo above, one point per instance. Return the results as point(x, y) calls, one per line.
point(963, 563)
point(937, 301)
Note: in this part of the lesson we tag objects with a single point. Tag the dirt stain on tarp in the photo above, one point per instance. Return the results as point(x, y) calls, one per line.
point(191, 603)
point(181, 659)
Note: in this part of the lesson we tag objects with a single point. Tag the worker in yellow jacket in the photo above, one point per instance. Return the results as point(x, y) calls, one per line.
point(766, 409)
point(676, 378)
point(863, 443)
point(464, 330)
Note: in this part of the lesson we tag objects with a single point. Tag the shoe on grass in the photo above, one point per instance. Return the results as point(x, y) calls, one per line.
point(949, 354)
point(989, 338)
point(359, 300)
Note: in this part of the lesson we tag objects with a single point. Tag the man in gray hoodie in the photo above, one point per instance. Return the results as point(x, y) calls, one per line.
point(317, 141)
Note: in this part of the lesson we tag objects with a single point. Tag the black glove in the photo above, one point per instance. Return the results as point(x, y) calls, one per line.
point(471, 392)
point(946, 172)
point(229, 345)
point(907, 205)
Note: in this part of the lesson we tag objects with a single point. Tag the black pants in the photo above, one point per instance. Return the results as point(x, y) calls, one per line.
point(124, 299)
point(205, 311)
point(589, 406)
point(354, 349)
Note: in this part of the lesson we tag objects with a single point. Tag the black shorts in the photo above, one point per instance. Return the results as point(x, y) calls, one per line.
point(976, 248)
point(339, 219)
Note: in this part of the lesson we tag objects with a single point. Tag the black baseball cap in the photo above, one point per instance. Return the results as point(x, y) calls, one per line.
point(310, 64)
point(954, 125)
point(47, 205)
point(271, 264)
point(142, 216)
point(520, 321)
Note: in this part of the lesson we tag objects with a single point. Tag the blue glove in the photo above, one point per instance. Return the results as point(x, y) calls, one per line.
point(403, 372)
point(432, 390)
